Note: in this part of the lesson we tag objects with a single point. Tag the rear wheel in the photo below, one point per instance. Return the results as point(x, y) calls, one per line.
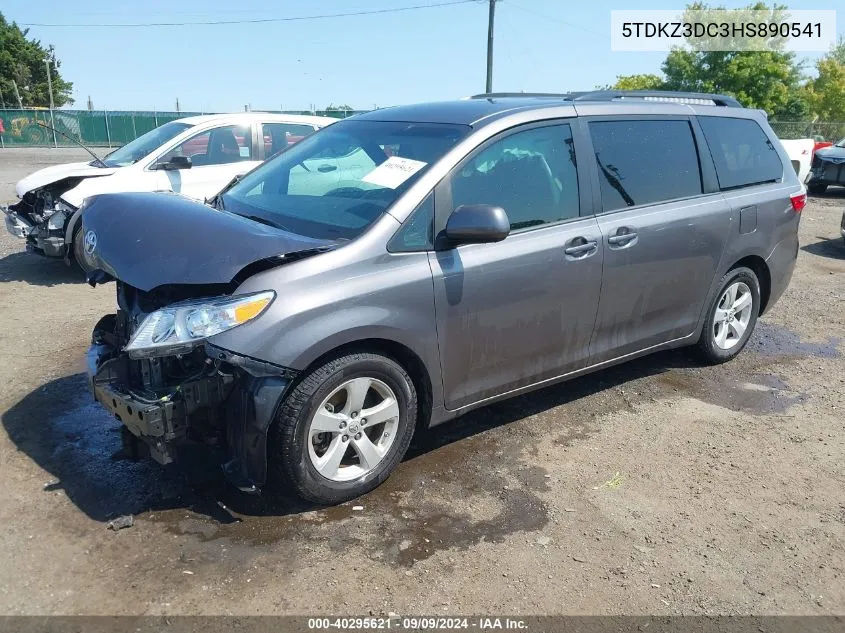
point(816, 189)
point(731, 317)
point(343, 428)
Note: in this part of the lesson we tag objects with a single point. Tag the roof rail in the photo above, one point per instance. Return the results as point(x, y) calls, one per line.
point(693, 98)
point(506, 95)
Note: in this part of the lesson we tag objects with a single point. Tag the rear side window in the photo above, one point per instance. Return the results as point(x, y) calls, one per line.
point(644, 162)
point(741, 151)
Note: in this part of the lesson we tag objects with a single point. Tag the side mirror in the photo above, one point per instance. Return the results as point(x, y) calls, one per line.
point(175, 162)
point(477, 224)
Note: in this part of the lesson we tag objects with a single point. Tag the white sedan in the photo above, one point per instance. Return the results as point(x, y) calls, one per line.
point(195, 156)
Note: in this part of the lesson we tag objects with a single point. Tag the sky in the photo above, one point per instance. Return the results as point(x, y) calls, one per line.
point(362, 61)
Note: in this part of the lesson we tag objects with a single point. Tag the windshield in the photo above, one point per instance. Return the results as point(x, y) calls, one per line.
point(841, 143)
point(142, 146)
point(338, 181)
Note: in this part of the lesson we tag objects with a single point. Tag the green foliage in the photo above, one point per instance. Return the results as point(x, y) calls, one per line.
point(23, 60)
point(826, 93)
point(764, 79)
point(646, 81)
point(338, 108)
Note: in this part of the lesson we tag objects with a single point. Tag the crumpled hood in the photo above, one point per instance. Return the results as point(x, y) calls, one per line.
point(832, 154)
point(151, 239)
point(49, 175)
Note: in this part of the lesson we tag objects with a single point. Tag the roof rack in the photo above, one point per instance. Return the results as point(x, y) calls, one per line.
point(663, 96)
point(692, 98)
point(507, 95)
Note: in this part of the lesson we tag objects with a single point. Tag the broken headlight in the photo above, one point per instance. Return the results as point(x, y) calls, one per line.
point(178, 328)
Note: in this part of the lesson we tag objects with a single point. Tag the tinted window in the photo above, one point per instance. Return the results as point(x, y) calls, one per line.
point(643, 162)
point(218, 146)
point(530, 174)
point(416, 234)
point(742, 152)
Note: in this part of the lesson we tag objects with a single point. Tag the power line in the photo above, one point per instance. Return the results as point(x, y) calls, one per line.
point(556, 19)
point(260, 20)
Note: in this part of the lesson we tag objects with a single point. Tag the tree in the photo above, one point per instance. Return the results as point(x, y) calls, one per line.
point(23, 61)
point(764, 79)
point(826, 93)
point(338, 108)
point(761, 78)
point(645, 81)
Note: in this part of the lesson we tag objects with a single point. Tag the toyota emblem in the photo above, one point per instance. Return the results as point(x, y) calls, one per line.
point(90, 242)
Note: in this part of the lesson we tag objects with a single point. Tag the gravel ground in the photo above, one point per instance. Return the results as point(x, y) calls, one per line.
point(657, 487)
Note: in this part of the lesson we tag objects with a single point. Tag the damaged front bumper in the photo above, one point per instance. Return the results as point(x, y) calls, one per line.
point(15, 224)
point(826, 172)
point(230, 404)
point(43, 236)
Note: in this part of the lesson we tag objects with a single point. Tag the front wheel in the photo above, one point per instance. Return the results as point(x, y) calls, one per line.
point(816, 189)
point(79, 252)
point(731, 317)
point(343, 428)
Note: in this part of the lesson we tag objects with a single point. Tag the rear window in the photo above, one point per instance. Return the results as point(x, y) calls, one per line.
point(741, 151)
point(644, 162)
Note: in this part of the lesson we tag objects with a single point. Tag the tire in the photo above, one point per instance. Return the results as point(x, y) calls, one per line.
point(816, 189)
point(79, 252)
point(297, 446)
point(709, 347)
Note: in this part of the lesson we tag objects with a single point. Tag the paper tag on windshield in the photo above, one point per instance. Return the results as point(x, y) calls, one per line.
point(393, 172)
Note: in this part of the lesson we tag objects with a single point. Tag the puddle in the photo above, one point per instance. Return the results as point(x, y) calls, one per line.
point(71, 437)
point(435, 501)
point(775, 340)
point(759, 394)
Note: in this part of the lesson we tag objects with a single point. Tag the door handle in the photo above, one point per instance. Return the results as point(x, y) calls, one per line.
point(623, 236)
point(581, 249)
point(326, 168)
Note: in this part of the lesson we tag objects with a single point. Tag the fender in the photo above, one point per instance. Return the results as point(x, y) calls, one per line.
point(74, 221)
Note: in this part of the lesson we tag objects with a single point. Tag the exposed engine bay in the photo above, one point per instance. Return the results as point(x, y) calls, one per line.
point(42, 217)
point(206, 395)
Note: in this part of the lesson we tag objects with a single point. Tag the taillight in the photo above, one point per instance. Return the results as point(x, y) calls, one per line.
point(798, 200)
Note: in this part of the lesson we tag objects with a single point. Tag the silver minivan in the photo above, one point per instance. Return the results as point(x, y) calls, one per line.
point(402, 267)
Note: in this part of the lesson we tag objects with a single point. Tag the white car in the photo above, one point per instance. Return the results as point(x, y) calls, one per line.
point(195, 156)
point(800, 152)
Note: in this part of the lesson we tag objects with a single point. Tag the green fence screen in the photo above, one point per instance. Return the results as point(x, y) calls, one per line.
point(91, 127)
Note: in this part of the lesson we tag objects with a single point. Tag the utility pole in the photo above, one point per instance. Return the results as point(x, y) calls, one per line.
point(17, 94)
point(489, 86)
point(177, 105)
point(50, 90)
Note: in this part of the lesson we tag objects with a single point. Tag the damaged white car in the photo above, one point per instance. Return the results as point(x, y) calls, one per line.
point(195, 156)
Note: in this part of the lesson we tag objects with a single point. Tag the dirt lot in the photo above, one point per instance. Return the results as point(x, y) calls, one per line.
point(658, 487)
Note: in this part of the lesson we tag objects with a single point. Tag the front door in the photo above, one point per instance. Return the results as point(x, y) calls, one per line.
point(217, 155)
point(517, 312)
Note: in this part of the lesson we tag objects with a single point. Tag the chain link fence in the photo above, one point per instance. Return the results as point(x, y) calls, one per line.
point(99, 128)
point(820, 131)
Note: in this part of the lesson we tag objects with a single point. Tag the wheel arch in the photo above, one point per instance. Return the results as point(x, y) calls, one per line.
point(407, 358)
point(761, 269)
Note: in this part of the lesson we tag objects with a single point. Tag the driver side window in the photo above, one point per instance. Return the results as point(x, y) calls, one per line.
point(530, 174)
point(218, 146)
